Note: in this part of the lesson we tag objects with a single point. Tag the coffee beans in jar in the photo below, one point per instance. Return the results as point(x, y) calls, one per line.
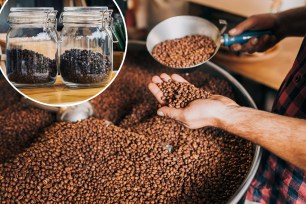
point(31, 47)
point(184, 52)
point(85, 67)
point(86, 47)
point(30, 68)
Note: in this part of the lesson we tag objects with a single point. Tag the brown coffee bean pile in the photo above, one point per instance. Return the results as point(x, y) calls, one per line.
point(184, 52)
point(214, 153)
point(145, 159)
point(93, 162)
point(180, 94)
point(20, 125)
point(8, 94)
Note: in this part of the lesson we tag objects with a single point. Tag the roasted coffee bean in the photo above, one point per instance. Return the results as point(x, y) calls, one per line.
point(143, 159)
point(179, 95)
point(29, 67)
point(85, 67)
point(184, 52)
point(101, 163)
point(20, 125)
point(8, 94)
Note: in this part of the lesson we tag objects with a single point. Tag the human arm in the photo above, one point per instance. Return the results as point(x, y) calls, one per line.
point(284, 24)
point(283, 136)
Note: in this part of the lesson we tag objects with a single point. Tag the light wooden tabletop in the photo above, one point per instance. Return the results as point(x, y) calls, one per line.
point(271, 71)
point(238, 7)
point(59, 94)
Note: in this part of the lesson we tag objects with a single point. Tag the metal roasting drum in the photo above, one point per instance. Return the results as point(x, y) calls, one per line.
point(86, 110)
point(242, 98)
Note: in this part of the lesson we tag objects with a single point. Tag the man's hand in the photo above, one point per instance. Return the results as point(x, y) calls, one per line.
point(258, 22)
point(199, 113)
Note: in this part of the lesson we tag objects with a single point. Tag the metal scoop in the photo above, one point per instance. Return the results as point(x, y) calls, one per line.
point(181, 26)
point(67, 114)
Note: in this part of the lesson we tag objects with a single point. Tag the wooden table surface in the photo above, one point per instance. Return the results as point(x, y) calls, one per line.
point(271, 71)
point(238, 7)
point(61, 95)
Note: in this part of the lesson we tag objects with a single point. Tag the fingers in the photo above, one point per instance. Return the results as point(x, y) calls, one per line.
point(248, 24)
point(178, 78)
point(157, 80)
point(255, 44)
point(165, 77)
point(157, 93)
point(173, 113)
point(155, 90)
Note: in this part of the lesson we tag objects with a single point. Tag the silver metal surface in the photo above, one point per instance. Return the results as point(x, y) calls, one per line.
point(75, 113)
point(181, 26)
point(67, 114)
point(242, 98)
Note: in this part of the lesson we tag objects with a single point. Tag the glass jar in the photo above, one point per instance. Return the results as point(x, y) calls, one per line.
point(31, 47)
point(86, 46)
point(118, 27)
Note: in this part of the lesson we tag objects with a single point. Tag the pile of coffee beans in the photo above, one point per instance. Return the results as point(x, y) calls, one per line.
point(85, 67)
point(26, 67)
point(180, 94)
point(142, 158)
point(184, 52)
point(92, 161)
point(9, 95)
point(20, 125)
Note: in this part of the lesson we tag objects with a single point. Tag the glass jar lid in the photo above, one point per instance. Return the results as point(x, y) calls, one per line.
point(27, 15)
point(85, 15)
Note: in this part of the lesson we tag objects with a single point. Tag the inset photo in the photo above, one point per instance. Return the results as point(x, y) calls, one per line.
point(61, 52)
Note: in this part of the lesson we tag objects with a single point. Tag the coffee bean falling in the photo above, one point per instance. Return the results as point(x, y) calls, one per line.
point(184, 52)
point(180, 94)
point(26, 67)
point(85, 67)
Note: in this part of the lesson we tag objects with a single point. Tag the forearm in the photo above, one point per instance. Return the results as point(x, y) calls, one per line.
point(283, 136)
point(293, 22)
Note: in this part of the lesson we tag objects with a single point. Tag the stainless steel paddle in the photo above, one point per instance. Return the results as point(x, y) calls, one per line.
point(69, 113)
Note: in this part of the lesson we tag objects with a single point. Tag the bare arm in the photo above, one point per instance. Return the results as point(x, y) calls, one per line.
point(293, 22)
point(283, 136)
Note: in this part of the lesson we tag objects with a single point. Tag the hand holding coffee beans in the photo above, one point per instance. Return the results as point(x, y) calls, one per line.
point(184, 52)
point(180, 94)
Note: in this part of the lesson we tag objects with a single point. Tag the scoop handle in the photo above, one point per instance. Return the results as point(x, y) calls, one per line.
point(244, 37)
